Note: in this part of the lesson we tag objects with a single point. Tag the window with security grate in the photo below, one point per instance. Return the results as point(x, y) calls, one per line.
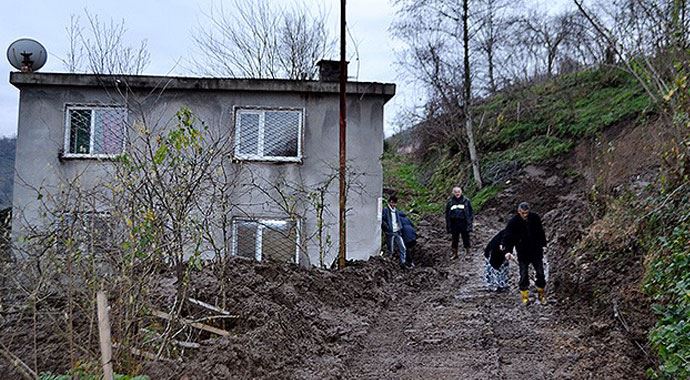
point(266, 134)
point(95, 131)
point(267, 239)
point(85, 232)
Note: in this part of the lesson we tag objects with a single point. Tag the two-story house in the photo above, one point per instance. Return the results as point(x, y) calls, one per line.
point(76, 125)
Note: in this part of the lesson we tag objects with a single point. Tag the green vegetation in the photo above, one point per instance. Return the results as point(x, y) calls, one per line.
point(402, 175)
point(570, 106)
point(536, 149)
point(664, 234)
point(446, 173)
point(548, 119)
point(520, 127)
point(668, 284)
point(488, 192)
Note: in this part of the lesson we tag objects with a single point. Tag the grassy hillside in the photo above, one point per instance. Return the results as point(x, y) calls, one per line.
point(520, 126)
point(636, 253)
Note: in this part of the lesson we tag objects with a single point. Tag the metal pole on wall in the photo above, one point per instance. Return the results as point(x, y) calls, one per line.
point(342, 250)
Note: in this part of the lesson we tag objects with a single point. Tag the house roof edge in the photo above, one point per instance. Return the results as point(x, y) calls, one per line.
point(153, 82)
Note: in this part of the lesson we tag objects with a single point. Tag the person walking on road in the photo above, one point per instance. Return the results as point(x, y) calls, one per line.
point(497, 269)
point(459, 218)
point(391, 224)
point(526, 233)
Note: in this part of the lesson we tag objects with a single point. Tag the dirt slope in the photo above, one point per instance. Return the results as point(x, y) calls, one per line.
point(375, 321)
point(459, 329)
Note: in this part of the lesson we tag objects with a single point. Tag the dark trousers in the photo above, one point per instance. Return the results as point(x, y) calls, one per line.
point(538, 264)
point(410, 251)
point(456, 238)
point(458, 227)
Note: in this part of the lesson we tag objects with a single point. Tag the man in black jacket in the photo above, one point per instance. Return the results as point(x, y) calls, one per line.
point(526, 233)
point(459, 219)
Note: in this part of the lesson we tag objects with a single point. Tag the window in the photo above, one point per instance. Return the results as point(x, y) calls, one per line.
point(268, 134)
point(94, 131)
point(85, 232)
point(274, 240)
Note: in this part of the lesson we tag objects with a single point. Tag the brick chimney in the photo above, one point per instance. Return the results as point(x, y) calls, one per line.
point(329, 71)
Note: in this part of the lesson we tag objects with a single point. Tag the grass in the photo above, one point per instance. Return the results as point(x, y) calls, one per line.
point(402, 175)
point(536, 149)
point(524, 126)
point(484, 195)
point(571, 106)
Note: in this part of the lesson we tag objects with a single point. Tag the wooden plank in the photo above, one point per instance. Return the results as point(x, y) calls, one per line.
point(180, 343)
point(212, 308)
point(104, 335)
point(186, 344)
point(18, 365)
point(197, 325)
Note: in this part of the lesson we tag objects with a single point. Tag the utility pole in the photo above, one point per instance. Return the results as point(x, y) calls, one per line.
point(342, 246)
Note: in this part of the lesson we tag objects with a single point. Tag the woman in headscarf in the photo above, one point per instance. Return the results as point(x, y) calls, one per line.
point(497, 267)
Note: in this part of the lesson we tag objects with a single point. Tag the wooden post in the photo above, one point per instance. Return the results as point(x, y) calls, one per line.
point(21, 367)
point(104, 335)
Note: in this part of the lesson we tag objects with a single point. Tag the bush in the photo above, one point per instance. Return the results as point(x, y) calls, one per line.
point(668, 283)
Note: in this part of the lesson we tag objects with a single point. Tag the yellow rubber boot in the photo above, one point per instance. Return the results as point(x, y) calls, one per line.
point(525, 296)
point(542, 296)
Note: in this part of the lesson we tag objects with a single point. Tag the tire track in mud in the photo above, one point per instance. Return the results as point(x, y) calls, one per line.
point(458, 329)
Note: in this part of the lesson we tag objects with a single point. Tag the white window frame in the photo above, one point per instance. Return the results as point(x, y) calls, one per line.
point(261, 226)
point(261, 111)
point(71, 107)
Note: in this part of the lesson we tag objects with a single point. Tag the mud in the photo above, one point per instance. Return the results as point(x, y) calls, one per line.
point(374, 320)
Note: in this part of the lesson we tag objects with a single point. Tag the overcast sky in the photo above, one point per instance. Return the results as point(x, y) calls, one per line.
point(168, 25)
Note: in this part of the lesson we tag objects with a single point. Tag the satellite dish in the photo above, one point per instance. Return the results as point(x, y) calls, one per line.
point(27, 55)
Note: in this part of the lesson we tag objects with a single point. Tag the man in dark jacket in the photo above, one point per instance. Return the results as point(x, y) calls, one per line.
point(526, 233)
point(391, 223)
point(459, 219)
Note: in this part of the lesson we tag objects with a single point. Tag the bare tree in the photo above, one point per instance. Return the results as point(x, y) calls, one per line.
point(542, 35)
point(491, 35)
point(100, 48)
point(261, 39)
point(648, 37)
point(468, 96)
point(582, 46)
point(435, 31)
point(650, 40)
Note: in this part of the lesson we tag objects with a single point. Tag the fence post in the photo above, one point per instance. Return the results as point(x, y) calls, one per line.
point(104, 335)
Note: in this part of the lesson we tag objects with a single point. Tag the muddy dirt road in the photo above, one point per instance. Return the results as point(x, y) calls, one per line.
point(458, 329)
point(372, 320)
